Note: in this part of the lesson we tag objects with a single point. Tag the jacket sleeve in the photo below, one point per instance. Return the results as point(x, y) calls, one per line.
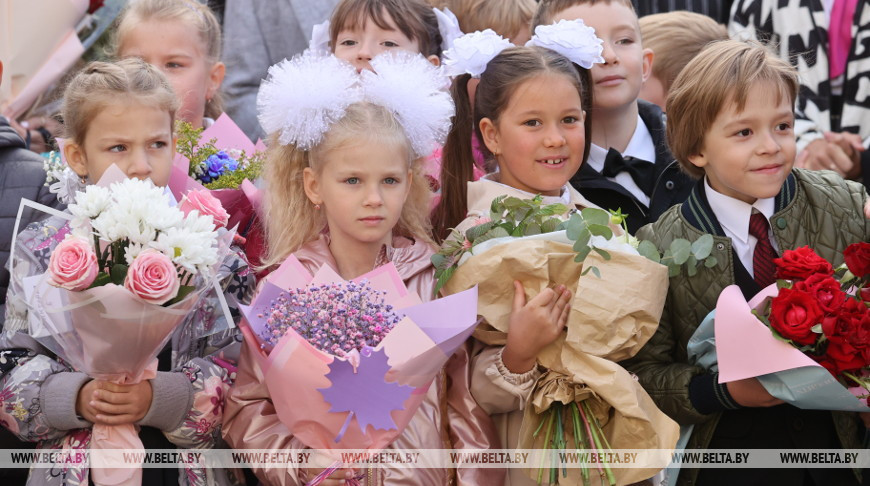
point(494, 387)
point(469, 425)
point(251, 422)
point(37, 392)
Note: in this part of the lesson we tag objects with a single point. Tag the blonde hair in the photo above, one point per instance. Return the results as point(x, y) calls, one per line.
point(103, 83)
point(506, 17)
point(548, 9)
point(290, 219)
point(676, 37)
point(723, 73)
point(197, 16)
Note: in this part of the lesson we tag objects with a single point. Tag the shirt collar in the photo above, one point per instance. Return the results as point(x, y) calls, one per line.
point(641, 146)
point(733, 214)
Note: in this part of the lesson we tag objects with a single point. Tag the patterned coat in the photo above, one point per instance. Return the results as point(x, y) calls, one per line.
point(800, 30)
point(38, 390)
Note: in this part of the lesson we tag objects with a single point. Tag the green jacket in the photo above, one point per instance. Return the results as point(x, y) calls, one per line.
point(815, 209)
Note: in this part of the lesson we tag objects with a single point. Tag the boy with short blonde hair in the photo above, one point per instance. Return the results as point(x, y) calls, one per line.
point(731, 126)
point(629, 165)
point(510, 19)
point(675, 38)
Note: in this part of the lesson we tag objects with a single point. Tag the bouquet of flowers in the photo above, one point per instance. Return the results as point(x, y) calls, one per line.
point(806, 338)
point(132, 266)
point(584, 400)
point(347, 364)
point(223, 160)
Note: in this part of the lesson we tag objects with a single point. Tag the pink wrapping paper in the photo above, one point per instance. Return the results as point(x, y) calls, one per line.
point(294, 370)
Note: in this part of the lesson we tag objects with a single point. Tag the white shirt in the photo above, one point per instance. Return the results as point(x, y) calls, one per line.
point(733, 215)
point(641, 146)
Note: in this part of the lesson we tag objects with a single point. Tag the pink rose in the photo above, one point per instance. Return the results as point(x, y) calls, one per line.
point(73, 265)
point(207, 205)
point(152, 277)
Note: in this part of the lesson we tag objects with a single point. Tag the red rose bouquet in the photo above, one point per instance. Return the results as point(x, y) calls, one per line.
point(807, 338)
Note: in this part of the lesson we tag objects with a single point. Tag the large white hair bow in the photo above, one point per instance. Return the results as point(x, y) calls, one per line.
point(573, 39)
point(302, 97)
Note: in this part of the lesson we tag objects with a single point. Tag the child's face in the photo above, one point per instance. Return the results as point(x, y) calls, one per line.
point(135, 137)
point(539, 139)
point(626, 63)
point(359, 45)
point(748, 154)
point(178, 51)
point(361, 188)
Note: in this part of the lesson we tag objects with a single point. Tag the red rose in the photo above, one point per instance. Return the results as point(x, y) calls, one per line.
point(793, 314)
point(858, 259)
point(799, 264)
point(848, 333)
point(865, 294)
point(825, 289)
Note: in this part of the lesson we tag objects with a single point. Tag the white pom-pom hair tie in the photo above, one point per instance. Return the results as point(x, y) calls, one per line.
point(304, 96)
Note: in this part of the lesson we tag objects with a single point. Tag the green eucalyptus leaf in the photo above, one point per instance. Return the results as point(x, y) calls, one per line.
point(595, 216)
point(574, 227)
point(681, 250)
point(604, 254)
point(550, 225)
point(592, 269)
point(692, 266)
point(702, 247)
point(601, 230)
point(532, 229)
point(673, 270)
point(582, 240)
point(582, 253)
point(710, 261)
point(648, 249)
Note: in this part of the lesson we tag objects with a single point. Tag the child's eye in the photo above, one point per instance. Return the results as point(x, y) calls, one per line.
point(391, 180)
point(570, 119)
point(159, 144)
point(626, 40)
point(173, 65)
point(784, 126)
point(744, 133)
point(347, 42)
point(390, 44)
point(117, 148)
point(352, 180)
point(532, 123)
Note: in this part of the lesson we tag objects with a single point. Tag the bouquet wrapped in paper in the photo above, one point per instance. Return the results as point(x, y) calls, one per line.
point(223, 160)
point(347, 364)
point(130, 266)
point(585, 400)
point(806, 338)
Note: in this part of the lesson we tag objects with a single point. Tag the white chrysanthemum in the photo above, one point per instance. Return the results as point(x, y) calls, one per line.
point(572, 39)
point(613, 244)
point(191, 245)
point(163, 216)
point(472, 52)
point(411, 88)
point(303, 97)
point(132, 252)
point(81, 228)
point(91, 202)
point(448, 26)
point(108, 224)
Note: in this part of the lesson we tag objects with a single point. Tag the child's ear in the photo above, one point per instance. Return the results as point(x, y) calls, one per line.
point(698, 160)
point(215, 78)
point(490, 136)
point(435, 60)
point(75, 158)
point(648, 56)
point(312, 188)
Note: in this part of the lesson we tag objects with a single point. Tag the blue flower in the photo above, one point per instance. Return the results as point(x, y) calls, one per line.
point(215, 165)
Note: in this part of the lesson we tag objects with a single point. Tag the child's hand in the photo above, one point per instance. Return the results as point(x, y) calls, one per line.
point(338, 477)
point(749, 392)
point(867, 209)
point(534, 325)
point(120, 404)
point(84, 399)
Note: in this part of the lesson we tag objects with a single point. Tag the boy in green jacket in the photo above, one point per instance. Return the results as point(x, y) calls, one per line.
point(730, 125)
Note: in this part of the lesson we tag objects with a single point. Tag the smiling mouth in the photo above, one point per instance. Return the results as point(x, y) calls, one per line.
point(768, 168)
point(553, 161)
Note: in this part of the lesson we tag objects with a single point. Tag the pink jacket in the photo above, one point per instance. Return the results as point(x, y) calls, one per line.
point(448, 418)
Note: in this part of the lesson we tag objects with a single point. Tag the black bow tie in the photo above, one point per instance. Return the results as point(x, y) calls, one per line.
point(641, 171)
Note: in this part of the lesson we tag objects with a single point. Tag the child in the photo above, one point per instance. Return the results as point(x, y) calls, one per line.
point(529, 112)
point(182, 38)
point(508, 18)
point(115, 113)
point(359, 30)
point(675, 38)
point(731, 126)
point(349, 169)
point(629, 167)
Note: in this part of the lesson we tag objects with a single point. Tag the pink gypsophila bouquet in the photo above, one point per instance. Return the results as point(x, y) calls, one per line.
point(336, 317)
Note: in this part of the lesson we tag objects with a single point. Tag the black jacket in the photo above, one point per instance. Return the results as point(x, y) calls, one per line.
point(21, 176)
point(672, 185)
